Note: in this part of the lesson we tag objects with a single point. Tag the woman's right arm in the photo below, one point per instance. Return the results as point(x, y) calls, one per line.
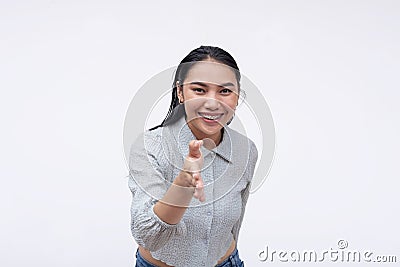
point(173, 205)
point(157, 207)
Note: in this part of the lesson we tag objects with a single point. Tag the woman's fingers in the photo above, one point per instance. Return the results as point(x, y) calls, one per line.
point(199, 187)
point(193, 165)
point(194, 160)
point(194, 148)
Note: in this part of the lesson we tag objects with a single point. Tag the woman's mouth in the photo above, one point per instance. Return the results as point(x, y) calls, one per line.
point(210, 117)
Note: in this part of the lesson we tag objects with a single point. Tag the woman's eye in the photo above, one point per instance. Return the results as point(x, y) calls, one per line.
point(226, 91)
point(198, 90)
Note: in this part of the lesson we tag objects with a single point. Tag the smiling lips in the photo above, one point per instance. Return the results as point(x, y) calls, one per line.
point(210, 117)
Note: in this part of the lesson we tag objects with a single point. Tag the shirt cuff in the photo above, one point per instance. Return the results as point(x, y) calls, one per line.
point(180, 227)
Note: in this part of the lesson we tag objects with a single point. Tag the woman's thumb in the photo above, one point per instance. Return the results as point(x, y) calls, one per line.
point(194, 148)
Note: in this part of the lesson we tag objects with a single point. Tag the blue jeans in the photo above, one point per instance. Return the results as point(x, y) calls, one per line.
point(232, 261)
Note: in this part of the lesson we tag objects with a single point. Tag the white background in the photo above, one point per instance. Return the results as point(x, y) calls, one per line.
point(69, 69)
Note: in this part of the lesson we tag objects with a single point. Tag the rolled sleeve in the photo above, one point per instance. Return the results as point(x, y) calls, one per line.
point(148, 185)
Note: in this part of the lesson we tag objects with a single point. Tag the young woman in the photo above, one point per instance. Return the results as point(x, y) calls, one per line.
point(190, 176)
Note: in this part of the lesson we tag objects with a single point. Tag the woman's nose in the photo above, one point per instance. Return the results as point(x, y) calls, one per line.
point(211, 103)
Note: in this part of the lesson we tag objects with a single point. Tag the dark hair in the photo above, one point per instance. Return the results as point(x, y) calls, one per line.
point(199, 54)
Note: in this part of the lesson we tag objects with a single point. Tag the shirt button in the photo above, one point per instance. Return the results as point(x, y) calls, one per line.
point(208, 212)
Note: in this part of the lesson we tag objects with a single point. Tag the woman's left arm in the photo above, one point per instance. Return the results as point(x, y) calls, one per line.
point(252, 160)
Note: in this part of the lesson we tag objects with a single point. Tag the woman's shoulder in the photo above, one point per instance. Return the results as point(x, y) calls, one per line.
point(153, 133)
point(244, 153)
point(241, 140)
point(149, 141)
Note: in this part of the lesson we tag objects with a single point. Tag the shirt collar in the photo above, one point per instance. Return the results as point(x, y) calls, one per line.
point(183, 135)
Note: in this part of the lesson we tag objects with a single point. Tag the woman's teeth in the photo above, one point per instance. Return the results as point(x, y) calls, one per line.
point(211, 117)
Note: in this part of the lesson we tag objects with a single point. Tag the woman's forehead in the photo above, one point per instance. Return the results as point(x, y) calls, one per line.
point(211, 72)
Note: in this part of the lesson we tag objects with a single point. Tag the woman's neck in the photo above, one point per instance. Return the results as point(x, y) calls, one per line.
point(216, 138)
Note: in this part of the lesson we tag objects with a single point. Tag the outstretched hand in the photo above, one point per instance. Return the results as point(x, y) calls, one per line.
point(192, 166)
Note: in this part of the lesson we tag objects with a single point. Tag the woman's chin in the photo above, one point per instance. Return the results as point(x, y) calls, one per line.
point(206, 128)
point(211, 131)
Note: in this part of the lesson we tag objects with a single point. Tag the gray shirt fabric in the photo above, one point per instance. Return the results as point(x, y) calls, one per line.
point(206, 229)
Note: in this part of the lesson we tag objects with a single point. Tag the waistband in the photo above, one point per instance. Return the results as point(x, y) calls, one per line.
point(232, 260)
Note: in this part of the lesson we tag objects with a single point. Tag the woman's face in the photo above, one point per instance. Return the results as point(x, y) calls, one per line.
point(210, 95)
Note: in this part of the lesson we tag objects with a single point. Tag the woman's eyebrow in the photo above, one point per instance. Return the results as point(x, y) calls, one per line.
point(199, 83)
point(206, 85)
point(227, 84)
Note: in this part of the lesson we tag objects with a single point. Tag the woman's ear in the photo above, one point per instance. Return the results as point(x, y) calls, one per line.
point(179, 90)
